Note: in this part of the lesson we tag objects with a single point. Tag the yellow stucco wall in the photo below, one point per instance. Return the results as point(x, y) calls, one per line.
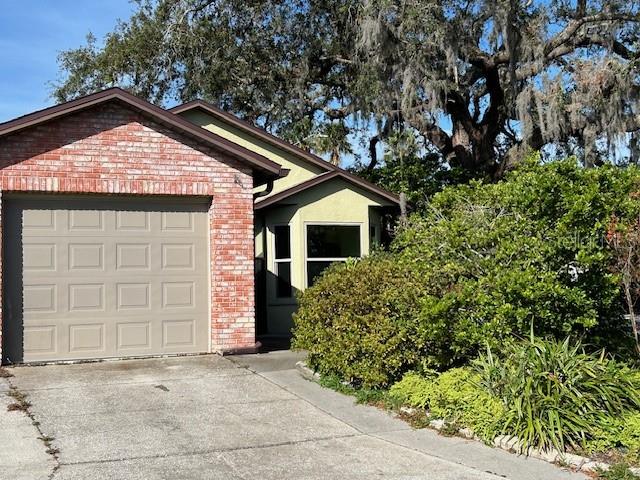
point(333, 202)
point(300, 170)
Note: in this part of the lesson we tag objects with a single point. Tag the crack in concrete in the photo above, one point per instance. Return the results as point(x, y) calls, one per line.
point(125, 383)
point(54, 452)
point(219, 406)
point(213, 450)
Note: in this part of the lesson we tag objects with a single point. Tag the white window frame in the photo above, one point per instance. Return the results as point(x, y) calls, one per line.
point(327, 259)
point(276, 261)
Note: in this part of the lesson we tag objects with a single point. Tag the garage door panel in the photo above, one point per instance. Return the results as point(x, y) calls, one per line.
point(178, 333)
point(39, 219)
point(133, 336)
point(178, 256)
point(86, 220)
point(133, 296)
point(86, 256)
point(40, 298)
point(39, 257)
point(177, 222)
point(87, 297)
point(87, 339)
point(100, 281)
point(132, 221)
point(178, 295)
point(133, 256)
point(42, 339)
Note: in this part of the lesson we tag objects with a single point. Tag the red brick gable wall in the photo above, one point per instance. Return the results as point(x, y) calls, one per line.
point(110, 149)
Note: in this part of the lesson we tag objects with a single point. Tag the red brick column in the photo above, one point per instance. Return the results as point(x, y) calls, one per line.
point(232, 276)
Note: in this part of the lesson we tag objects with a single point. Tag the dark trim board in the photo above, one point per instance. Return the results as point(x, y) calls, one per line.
point(348, 177)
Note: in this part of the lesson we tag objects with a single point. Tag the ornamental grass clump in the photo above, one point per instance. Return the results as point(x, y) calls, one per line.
point(556, 394)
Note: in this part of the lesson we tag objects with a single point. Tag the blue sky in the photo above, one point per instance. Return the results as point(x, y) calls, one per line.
point(33, 32)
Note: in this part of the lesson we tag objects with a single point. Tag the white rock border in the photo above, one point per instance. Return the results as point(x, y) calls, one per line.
point(504, 442)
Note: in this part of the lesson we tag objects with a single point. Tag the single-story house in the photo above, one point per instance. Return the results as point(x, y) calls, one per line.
point(131, 230)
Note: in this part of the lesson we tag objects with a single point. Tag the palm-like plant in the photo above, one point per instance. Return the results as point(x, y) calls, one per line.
point(331, 140)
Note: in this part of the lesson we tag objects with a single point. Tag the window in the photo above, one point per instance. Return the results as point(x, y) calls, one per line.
point(327, 244)
point(282, 261)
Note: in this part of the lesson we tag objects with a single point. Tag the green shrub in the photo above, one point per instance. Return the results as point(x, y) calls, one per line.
point(454, 396)
point(413, 390)
point(630, 437)
point(484, 263)
point(618, 471)
point(555, 393)
point(622, 432)
point(359, 321)
point(496, 258)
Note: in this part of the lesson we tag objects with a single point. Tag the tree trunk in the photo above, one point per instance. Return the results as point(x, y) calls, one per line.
point(403, 207)
point(470, 151)
point(632, 317)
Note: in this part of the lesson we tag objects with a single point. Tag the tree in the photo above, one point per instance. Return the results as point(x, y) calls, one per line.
point(625, 242)
point(478, 82)
point(407, 169)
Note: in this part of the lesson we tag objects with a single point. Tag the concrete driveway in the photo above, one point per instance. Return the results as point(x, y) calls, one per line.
point(209, 417)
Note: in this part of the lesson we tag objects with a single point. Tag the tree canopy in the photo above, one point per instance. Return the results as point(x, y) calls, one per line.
point(476, 82)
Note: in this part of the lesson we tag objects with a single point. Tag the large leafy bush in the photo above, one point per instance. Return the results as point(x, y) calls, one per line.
point(359, 321)
point(495, 259)
point(555, 393)
point(483, 263)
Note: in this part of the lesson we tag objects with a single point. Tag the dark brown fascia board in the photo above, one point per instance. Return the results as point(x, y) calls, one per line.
point(324, 177)
point(277, 197)
point(268, 168)
point(254, 131)
point(286, 146)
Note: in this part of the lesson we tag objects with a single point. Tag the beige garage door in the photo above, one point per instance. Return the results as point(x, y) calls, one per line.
point(104, 277)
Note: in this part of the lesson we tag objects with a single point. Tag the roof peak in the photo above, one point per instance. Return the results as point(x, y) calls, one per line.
point(254, 131)
point(324, 177)
point(268, 168)
point(330, 170)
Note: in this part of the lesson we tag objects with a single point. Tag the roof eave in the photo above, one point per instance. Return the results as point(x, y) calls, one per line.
point(254, 131)
point(315, 181)
point(267, 168)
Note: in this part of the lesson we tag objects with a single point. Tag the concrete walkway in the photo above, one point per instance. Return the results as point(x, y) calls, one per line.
point(277, 368)
point(209, 418)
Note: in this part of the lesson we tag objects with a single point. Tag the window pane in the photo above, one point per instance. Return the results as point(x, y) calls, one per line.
point(283, 283)
point(283, 241)
point(314, 269)
point(333, 241)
